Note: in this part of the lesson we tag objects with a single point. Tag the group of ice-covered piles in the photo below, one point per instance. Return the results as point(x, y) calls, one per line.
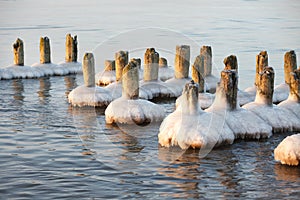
point(89, 94)
point(129, 109)
point(288, 151)
point(189, 126)
point(281, 92)
point(45, 67)
point(280, 118)
point(156, 71)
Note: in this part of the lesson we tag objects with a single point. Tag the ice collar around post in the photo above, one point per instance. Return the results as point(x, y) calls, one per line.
point(190, 104)
point(265, 87)
point(88, 68)
point(18, 52)
point(295, 85)
point(151, 59)
point(130, 80)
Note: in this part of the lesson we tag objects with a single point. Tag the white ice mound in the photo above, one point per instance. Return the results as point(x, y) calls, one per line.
point(133, 111)
point(243, 123)
point(16, 71)
point(281, 93)
point(165, 73)
point(189, 126)
point(89, 96)
point(70, 67)
point(105, 77)
point(278, 118)
point(155, 89)
point(49, 69)
point(288, 151)
point(177, 85)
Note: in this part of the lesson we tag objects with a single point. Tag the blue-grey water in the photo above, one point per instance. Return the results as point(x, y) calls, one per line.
point(50, 150)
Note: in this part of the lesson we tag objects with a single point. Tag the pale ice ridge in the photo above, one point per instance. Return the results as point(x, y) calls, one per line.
point(177, 85)
point(39, 70)
point(71, 67)
point(243, 123)
point(165, 73)
point(105, 77)
point(288, 151)
point(281, 92)
point(154, 89)
point(89, 96)
point(280, 119)
point(128, 111)
point(16, 71)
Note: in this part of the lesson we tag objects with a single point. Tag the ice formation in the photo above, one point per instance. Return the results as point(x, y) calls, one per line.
point(165, 72)
point(128, 109)
point(288, 151)
point(150, 86)
point(189, 126)
point(108, 75)
point(292, 104)
point(278, 118)
point(243, 123)
point(88, 94)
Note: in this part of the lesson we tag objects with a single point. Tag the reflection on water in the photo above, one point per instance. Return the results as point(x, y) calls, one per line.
point(70, 83)
point(44, 91)
point(18, 90)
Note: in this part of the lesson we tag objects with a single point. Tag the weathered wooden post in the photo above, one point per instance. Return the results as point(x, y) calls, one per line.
point(182, 61)
point(45, 51)
point(109, 65)
point(261, 62)
point(130, 80)
point(229, 85)
point(190, 92)
point(88, 68)
point(151, 59)
point(18, 52)
point(121, 60)
point(295, 85)
point(206, 54)
point(162, 62)
point(290, 64)
point(198, 72)
point(265, 87)
point(71, 48)
point(231, 63)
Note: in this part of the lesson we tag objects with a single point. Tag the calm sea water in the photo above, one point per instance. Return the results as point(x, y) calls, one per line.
point(50, 150)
